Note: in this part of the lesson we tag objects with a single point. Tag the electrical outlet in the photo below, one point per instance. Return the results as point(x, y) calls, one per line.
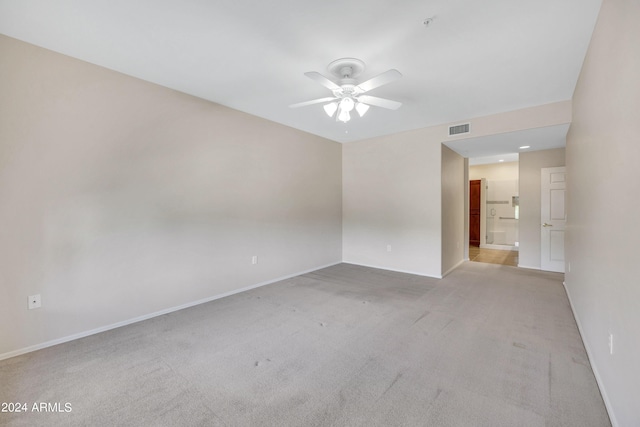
point(254, 259)
point(388, 248)
point(34, 301)
point(610, 343)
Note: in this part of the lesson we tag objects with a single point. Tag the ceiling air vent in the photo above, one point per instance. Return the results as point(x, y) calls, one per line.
point(459, 129)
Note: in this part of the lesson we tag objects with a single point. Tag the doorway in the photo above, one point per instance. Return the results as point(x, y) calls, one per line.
point(502, 212)
point(494, 211)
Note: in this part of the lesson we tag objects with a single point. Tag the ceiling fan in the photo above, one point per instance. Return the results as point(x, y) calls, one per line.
point(347, 94)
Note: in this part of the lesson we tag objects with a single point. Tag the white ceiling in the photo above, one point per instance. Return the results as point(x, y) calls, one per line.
point(476, 57)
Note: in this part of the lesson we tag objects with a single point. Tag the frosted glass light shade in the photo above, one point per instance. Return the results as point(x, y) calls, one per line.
point(344, 116)
point(362, 108)
point(331, 108)
point(346, 104)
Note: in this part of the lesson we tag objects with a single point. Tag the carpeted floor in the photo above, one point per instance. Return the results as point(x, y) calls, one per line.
point(488, 345)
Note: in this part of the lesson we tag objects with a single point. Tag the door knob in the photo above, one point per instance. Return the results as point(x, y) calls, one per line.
point(547, 225)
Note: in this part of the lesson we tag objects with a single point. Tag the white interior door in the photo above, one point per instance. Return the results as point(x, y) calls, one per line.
point(553, 218)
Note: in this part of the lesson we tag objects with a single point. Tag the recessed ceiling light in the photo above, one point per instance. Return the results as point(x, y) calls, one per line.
point(501, 160)
point(525, 146)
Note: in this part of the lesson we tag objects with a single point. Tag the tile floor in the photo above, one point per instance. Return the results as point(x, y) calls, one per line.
point(493, 256)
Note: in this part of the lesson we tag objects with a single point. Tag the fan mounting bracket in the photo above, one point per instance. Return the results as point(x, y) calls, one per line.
point(346, 68)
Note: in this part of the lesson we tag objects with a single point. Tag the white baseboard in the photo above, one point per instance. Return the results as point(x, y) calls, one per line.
point(453, 268)
point(603, 391)
point(526, 266)
point(151, 315)
point(391, 269)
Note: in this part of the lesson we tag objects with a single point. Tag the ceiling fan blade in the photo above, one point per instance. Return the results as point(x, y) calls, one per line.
point(313, 75)
point(379, 102)
point(313, 101)
point(379, 80)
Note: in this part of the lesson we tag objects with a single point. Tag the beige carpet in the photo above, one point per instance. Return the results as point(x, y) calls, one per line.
point(488, 345)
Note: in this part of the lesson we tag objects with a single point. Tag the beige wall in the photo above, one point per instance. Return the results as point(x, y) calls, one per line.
point(391, 197)
point(392, 190)
point(530, 208)
point(121, 198)
point(494, 171)
point(603, 206)
point(453, 209)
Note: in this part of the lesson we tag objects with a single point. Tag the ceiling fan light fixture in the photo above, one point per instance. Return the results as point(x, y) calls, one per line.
point(347, 91)
point(362, 108)
point(330, 109)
